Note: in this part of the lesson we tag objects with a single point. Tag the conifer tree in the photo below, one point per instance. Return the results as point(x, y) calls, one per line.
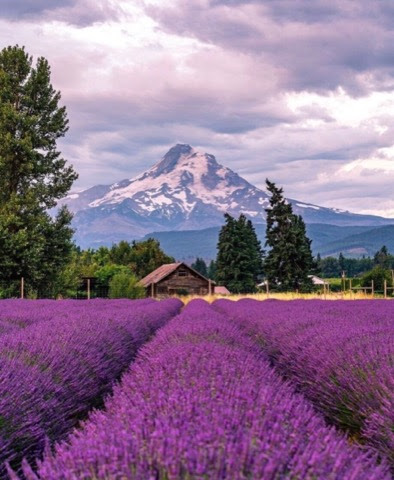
point(382, 257)
point(212, 270)
point(33, 176)
point(289, 259)
point(200, 266)
point(239, 259)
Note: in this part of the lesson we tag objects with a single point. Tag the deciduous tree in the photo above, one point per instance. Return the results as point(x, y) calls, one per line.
point(33, 175)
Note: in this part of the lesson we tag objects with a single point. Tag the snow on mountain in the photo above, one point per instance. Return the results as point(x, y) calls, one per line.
point(186, 190)
point(179, 182)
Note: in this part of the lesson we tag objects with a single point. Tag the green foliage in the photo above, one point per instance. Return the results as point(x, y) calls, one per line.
point(102, 265)
point(289, 260)
point(212, 270)
point(182, 292)
point(378, 275)
point(239, 259)
point(33, 176)
point(200, 266)
point(105, 273)
point(124, 285)
point(142, 257)
point(382, 258)
point(333, 267)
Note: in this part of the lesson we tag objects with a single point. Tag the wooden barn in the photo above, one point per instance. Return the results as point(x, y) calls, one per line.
point(176, 278)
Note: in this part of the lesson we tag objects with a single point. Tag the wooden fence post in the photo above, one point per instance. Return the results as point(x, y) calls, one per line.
point(22, 287)
point(267, 289)
point(385, 288)
point(88, 284)
point(373, 289)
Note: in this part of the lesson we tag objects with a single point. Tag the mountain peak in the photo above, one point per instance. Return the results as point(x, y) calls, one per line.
point(172, 157)
point(186, 189)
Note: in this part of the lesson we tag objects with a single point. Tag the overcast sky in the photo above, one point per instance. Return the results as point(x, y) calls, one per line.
point(298, 91)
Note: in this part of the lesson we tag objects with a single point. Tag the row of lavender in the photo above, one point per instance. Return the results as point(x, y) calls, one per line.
point(18, 314)
point(59, 366)
point(202, 402)
point(340, 355)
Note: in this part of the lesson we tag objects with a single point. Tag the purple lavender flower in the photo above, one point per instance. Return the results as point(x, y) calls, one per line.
point(54, 371)
point(202, 402)
point(340, 355)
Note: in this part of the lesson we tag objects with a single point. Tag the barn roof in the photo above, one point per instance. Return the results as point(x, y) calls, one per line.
point(165, 270)
point(159, 274)
point(221, 290)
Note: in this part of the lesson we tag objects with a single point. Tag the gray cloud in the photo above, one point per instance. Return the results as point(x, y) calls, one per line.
point(318, 45)
point(20, 9)
point(76, 12)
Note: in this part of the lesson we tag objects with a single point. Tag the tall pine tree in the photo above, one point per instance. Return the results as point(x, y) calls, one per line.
point(239, 259)
point(33, 175)
point(200, 266)
point(289, 259)
point(212, 270)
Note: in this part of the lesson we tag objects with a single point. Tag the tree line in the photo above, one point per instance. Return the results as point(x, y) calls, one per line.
point(334, 267)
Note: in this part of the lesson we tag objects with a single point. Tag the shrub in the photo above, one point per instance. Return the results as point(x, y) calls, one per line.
point(378, 275)
point(124, 285)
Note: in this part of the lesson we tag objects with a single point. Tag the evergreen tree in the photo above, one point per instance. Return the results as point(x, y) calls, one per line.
point(382, 258)
point(200, 266)
point(224, 259)
point(342, 263)
point(318, 264)
point(289, 260)
point(239, 259)
point(212, 270)
point(33, 176)
point(255, 252)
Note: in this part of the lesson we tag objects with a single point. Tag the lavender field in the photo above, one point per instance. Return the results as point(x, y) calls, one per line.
point(233, 390)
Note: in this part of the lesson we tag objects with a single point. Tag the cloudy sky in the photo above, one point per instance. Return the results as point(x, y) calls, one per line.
point(300, 91)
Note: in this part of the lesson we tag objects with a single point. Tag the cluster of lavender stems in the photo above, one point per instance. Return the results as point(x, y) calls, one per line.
point(56, 367)
point(201, 401)
point(17, 314)
point(340, 355)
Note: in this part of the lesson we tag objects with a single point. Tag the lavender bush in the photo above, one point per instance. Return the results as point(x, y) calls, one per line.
point(17, 314)
point(201, 402)
point(52, 372)
point(339, 354)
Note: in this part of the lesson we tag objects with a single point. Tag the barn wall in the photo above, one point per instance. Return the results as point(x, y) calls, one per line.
point(194, 284)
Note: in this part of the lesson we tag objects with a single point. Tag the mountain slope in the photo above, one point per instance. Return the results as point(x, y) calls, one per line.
point(366, 243)
point(326, 240)
point(186, 190)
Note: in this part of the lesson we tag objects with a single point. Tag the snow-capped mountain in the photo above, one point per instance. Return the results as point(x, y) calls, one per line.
point(186, 190)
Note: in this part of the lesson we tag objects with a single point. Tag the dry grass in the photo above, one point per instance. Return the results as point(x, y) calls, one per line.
point(284, 296)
